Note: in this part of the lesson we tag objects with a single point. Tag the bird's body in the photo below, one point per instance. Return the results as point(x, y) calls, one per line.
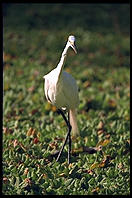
point(62, 93)
point(61, 89)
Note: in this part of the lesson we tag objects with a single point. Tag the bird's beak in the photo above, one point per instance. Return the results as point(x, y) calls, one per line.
point(73, 46)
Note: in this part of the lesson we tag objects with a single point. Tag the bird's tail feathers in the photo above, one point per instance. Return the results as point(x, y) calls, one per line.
point(73, 122)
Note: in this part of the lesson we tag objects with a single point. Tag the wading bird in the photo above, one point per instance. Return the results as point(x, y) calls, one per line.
point(61, 90)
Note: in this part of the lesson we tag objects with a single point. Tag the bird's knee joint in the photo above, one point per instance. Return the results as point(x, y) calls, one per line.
point(70, 127)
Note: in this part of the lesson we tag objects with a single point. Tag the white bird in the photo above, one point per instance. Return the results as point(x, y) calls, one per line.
point(61, 90)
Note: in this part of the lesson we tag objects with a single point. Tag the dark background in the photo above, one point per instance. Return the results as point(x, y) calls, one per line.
point(92, 17)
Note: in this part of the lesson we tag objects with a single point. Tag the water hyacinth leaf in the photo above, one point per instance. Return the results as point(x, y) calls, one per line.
point(17, 181)
point(91, 181)
point(6, 86)
point(100, 125)
point(68, 182)
point(95, 165)
point(103, 142)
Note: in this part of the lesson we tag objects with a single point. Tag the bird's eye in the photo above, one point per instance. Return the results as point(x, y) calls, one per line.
point(72, 38)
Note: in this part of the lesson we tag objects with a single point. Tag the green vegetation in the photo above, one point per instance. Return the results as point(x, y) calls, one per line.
point(34, 37)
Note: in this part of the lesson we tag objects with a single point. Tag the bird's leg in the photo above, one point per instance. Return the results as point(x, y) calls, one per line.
point(69, 141)
point(67, 136)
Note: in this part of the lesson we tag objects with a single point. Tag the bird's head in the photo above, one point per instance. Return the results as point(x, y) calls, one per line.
point(71, 41)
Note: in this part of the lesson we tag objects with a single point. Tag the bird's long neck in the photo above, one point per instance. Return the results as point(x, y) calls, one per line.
point(62, 60)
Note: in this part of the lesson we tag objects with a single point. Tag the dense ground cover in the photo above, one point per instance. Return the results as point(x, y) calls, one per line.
point(32, 129)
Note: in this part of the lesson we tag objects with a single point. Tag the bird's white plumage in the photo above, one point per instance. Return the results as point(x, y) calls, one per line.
point(62, 93)
point(61, 89)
